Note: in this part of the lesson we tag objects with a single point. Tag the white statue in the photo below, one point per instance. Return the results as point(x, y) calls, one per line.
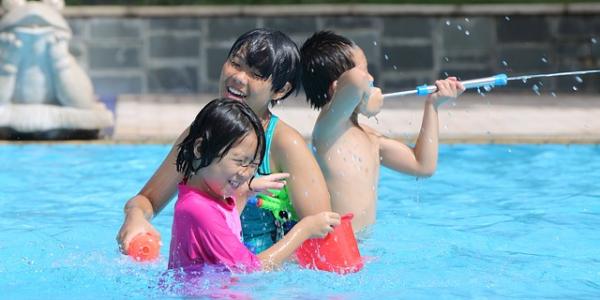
point(42, 88)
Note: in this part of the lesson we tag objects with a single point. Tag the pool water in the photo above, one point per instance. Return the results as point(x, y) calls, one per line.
point(495, 221)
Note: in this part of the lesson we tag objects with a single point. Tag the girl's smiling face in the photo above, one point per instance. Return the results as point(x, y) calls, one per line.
point(226, 174)
point(241, 82)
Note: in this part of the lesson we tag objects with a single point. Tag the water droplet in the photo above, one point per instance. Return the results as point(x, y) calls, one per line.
point(395, 67)
point(322, 64)
point(295, 142)
point(594, 41)
point(504, 63)
point(578, 79)
point(374, 43)
point(544, 60)
point(312, 70)
point(487, 88)
point(467, 20)
point(446, 74)
point(314, 149)
point(509, 150)
point(459, 27)
point(448, 23)
point(446, 127)
point(430, 140)
point(446, 58)
point(575, 88)
point(467, 32)
point(553, 94)
point(524, 79)
point(507, 18)
point(536, 89)
point(386, 57)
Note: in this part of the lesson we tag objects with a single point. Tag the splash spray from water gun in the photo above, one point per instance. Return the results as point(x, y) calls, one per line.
point(487, 83)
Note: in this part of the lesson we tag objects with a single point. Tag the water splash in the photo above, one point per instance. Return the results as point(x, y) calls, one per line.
point(525, 77)
point(536, 89)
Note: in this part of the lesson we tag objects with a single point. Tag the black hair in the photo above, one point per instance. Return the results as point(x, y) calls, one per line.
point(221, 124)
point(325, 57)
point(271, 52)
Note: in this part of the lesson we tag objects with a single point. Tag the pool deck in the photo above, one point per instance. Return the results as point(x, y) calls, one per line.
point(500, 119)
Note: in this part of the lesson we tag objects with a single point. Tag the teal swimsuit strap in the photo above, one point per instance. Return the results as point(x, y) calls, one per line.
point(265, 167)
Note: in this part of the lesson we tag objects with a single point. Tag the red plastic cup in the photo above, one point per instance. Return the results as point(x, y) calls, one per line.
point(337, 252)
point(144, 247)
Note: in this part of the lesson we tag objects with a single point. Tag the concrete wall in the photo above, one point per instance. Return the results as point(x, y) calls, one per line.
point(181, 49)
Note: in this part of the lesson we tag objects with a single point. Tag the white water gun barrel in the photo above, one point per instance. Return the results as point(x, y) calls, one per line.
point(422, 90)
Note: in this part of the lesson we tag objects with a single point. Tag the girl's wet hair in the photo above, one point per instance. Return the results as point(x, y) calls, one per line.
point(220, 125)
point(325, 57)
point(271, 53)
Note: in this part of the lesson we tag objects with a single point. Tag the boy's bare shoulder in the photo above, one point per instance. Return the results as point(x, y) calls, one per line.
point(371, 131)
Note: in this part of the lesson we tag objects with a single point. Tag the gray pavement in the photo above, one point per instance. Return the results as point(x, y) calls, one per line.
point(499, 118)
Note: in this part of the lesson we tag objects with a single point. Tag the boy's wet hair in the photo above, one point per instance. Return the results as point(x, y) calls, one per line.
point(221, 124)
point(325, 57)
point(272, 53)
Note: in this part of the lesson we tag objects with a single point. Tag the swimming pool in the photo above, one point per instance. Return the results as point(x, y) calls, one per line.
point(496, 221)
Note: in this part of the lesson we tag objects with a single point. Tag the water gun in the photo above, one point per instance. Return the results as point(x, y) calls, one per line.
point(278, 202)
point(144, 247)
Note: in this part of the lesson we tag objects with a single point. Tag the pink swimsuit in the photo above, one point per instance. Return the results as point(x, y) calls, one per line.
point(208, 231)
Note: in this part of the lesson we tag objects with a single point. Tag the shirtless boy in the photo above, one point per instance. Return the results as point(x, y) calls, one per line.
point(336, 81)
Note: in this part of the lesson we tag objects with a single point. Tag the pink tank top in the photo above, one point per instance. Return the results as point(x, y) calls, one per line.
point(208, 231)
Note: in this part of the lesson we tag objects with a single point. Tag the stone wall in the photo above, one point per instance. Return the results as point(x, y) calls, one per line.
point(181, 49)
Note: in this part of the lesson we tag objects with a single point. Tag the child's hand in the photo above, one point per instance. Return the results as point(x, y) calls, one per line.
point(371, 103)
point(448, 89)
point(131, 228)
point(274, 181)
point(320, 224)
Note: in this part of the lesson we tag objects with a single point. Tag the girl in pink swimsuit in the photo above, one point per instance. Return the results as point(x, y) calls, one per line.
point(218, 159)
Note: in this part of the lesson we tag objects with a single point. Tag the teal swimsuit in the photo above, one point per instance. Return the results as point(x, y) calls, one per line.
point(259, 228)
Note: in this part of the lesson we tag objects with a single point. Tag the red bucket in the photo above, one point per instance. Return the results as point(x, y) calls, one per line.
point(337, 252)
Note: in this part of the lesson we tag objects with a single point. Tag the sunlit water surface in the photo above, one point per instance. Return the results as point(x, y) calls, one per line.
point(494, 222)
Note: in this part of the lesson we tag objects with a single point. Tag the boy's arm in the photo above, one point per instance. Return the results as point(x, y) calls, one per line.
point(349, 90)
point(153, 197)
point(422, 159)
point(306, 184)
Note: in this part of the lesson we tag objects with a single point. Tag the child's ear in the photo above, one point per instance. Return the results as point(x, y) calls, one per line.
point(197, 145)
point(282, 91)
point(332, 88)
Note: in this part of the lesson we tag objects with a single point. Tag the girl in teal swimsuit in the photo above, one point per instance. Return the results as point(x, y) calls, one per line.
point(262, 67)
